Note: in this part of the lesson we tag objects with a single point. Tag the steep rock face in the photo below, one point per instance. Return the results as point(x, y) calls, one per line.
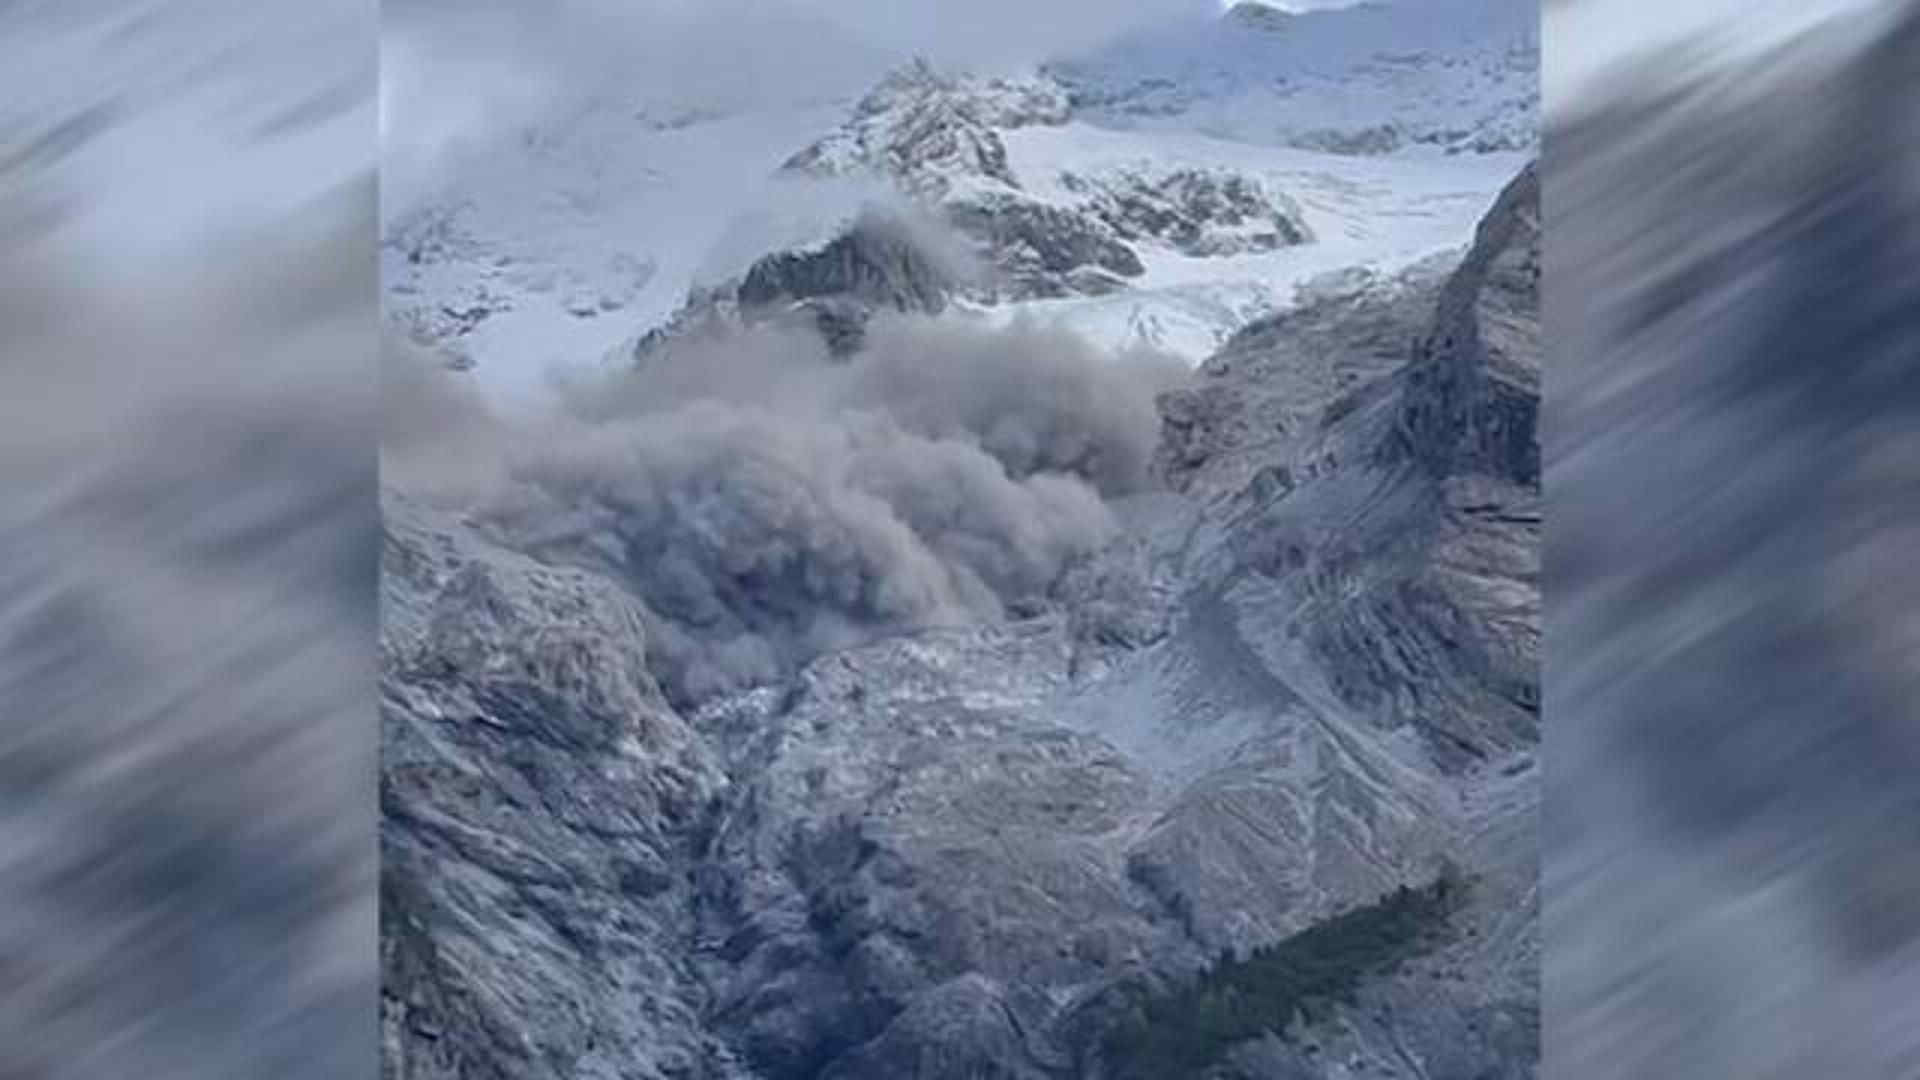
point(919, 835)
point(539, 801)
point(1438, 510)
point(875, 263)
point(1259, 403)
point(1400, 593)
point(879, 263)
point(1474, 391)
point(438, 234)
point(1374, 613)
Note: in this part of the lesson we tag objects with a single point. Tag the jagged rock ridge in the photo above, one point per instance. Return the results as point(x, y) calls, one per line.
point(937, 140)
point(928, 130)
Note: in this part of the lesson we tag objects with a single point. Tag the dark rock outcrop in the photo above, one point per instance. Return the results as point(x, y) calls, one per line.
point(924, 128)
point(1036, 248)
point(1198, 212)
point(936, 140)
point(1473, 398)
point(875, 263)
point(880, 262)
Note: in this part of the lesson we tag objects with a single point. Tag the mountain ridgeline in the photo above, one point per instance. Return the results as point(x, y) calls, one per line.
point(958, 222)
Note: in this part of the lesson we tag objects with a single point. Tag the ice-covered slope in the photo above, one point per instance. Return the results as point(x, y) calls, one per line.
point(1167, 225)
point(1369, 79)
point(556, 246)
point(1365, 218)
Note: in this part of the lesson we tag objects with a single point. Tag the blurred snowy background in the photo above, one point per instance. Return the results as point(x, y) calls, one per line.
point(1733, 219)
point(187, 540)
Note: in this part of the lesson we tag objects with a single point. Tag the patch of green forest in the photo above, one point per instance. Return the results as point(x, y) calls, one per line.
point(1182, 1032)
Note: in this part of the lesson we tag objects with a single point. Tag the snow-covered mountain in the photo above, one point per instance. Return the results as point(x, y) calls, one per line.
point(1163, 190)
point(1461, 75)
point(855, 680)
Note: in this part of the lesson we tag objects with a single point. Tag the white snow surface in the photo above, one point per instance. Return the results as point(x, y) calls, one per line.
point(581, 234)
point(1367, 216)
point(1446, 72)
point(560, 243)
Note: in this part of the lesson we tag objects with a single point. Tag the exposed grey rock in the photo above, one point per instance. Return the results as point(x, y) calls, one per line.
point(1290, 686)
point(1448, 559)
point(878, 263)
point(1353, 595)
point(936, 139)
point(965, 1027)
point(1262, 398)
point(1198, 212)
point(916, 816)
point(924, 129)
point(875, 263)
point(1474, 396)
point(539, 803)
point(1038, 249)
point(1375, 141)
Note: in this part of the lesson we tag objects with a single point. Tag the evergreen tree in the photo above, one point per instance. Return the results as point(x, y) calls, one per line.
point(1182, 1032)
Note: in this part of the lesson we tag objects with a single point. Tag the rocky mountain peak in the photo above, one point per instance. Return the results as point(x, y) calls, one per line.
point(1004, 102)
point(923, 128)
point(940, 138)
point(1253, 15)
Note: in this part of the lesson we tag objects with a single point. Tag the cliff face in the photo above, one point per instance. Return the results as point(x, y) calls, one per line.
point(1731, 466)
point(539, 803)
point(1474, 402)
point(1296, 683)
